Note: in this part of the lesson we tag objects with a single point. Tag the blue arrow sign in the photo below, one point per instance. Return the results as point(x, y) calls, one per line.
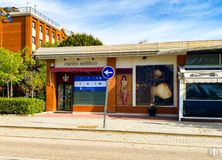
point(108, 72)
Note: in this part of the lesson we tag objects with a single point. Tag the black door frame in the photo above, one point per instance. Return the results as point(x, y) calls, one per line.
point(63, 106)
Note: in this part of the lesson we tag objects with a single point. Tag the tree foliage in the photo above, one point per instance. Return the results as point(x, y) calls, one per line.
point(34, 74)
point(10, 68)
point(48, 44)
point(80, 40)
point(19, 68)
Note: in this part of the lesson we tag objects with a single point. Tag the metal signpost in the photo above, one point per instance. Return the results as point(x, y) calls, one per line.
point(107, 72)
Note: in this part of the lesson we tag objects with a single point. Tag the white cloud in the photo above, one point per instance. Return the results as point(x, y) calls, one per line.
point(129, 21)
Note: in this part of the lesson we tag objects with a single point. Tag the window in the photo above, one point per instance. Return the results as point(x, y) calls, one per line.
point(47, 31)
point(203, 59)
point(58, 37)
point(33, 40)
point(89, 90)
point(33, 24)
point(40, 28)
point(204, 91)
point(40, 42)
point(154, 84)
point(53, 34)
point(203, 100)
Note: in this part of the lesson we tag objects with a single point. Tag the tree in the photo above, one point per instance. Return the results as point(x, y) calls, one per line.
point(33, 81)
point(20, 68)
point(10, 65)
point(4, 75)
point(80, 40)
point(34, 73)
point(48, 44)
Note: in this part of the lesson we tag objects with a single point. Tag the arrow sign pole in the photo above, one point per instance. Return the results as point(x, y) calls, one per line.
point(107, 72)
point(105, 108)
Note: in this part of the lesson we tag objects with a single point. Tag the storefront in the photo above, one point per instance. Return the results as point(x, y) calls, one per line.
point(79, 82)
point(201, 85)
point(145, 74)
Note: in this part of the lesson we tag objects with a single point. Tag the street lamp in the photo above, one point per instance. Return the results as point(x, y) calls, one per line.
point(50, 78)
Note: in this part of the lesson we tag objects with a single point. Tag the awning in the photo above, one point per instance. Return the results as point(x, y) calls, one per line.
point(98, 69)
point(127, 50)
point(203, 80)
point(201, 76)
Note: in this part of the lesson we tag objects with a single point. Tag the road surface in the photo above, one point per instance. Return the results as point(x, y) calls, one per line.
point(33, 144)
point(34, 149)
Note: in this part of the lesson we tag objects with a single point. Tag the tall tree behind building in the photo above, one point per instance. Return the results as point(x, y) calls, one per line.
point(81, 39)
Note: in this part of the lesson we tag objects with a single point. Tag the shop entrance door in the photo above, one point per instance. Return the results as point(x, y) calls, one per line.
point(64, 97)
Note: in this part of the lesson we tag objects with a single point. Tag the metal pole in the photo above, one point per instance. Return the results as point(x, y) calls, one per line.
point(182, 91)
point(105, 107)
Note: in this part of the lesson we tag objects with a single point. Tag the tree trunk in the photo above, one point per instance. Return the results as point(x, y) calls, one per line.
point(32, 93)
point(3, 89)
point(11, 89)
point(7, 88)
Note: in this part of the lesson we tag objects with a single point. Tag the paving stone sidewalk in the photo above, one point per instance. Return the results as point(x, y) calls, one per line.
point(155, 139)
point(124, 123)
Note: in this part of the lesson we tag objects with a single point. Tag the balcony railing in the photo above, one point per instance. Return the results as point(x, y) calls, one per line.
point(34, 11)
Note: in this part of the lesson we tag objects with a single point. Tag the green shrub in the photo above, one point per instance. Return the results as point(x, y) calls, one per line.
point(21, 105)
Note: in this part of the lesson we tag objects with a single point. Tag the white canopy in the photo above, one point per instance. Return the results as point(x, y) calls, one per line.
point(201, 76)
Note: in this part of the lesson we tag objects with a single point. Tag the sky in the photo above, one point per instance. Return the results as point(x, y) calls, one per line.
point(133, 21)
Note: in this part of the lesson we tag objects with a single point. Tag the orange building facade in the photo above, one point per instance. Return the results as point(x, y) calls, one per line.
point(144, 74)
point(31, 29)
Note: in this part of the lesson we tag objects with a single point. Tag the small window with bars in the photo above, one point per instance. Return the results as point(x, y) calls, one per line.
point(47, 32)
point(33, 40)
point(40, 28)
point(40, 42)
point(33, 24)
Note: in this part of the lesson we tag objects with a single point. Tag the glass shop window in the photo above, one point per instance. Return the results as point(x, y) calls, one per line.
point(154, 84)
point(203, 59)
point(204, 91)
point(89, 90)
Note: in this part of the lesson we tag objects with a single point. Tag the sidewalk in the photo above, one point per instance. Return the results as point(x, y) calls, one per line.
point(140, 124)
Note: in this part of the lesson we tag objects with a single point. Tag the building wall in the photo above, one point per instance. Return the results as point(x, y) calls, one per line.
point(28, 34)
point(129, 63)
point(17, 35)
point(111, 87)
point(14, 34)
point(0, 34)
point(43, 36)
point(50, 88)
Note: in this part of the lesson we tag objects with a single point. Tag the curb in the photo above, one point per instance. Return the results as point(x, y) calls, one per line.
point(117, 131)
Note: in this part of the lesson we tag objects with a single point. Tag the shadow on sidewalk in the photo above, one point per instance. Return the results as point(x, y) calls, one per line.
point(143, 117)
point(109, 115)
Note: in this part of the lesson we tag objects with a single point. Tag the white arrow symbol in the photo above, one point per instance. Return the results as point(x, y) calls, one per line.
point(107, 72)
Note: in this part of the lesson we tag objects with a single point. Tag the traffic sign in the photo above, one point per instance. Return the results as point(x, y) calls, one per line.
point(108, 72)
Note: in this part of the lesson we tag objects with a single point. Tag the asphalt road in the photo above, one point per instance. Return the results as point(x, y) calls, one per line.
point(17, 148)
